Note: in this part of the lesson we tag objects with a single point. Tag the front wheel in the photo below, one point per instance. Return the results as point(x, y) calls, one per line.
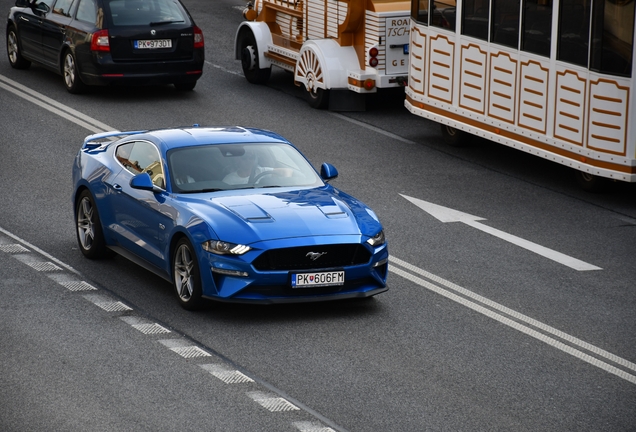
point(13, 51)
point(249, 60)
point(186, 277)
point(90, 235)
point(454, 137)
point(72, 80)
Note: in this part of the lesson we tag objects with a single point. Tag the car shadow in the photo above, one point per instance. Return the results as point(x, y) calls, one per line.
point(237, 314)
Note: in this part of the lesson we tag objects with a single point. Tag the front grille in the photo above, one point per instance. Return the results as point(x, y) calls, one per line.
point(298, 258)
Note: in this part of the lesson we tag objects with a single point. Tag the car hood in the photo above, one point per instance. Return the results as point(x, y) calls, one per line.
point(249, 217)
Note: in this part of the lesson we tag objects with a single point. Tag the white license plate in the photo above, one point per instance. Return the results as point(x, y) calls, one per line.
point(153, 43)
point(318, 279)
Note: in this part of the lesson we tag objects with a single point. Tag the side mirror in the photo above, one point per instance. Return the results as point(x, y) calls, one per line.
point(144, 182)
point(328, 172)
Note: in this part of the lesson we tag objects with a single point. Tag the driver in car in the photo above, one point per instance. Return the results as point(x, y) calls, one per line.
point(247, 170)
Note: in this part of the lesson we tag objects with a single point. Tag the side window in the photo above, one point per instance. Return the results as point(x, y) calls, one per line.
point(476, 14)
point(612, 37)
point(87, 11)
point(537, 26)
point(444, 14)
point(142, 157)
point(63, 7)
point(419, 11)
point(574, 31)
point(505, 22)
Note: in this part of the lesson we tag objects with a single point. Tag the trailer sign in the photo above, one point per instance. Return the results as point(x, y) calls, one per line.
point(397, 37)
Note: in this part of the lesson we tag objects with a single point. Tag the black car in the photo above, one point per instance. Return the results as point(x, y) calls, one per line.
point(102, 42)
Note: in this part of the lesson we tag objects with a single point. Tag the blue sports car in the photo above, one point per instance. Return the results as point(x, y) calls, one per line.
point(226, 213)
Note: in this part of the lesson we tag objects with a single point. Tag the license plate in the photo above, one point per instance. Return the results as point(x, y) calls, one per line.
point(153, 43)
point(318, 279)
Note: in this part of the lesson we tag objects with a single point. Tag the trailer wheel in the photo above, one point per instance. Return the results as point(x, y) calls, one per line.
point(249, 60)
point(318, 98)
point(454, 137)
point(309, 72)
point(590, 182)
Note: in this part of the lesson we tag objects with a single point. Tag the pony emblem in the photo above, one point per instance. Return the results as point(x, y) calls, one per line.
point(315, 255)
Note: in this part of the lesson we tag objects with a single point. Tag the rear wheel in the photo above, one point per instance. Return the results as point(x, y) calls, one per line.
point(318, 98)
point(590, 182)
point(13, 51)
point(249, 59)
point(72, 80)
point(454, 137)
point(186, 277)
point(90, 236)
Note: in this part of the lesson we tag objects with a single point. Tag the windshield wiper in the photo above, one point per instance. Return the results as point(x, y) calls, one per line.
point(193, 191)
point(157, 23)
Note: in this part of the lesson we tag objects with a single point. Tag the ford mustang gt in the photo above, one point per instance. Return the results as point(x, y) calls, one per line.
point(226, 213)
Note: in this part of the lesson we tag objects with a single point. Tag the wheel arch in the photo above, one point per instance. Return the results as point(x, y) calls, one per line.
point(262, 35)
point(174, 240)
point(335, 60)
point(66, 47)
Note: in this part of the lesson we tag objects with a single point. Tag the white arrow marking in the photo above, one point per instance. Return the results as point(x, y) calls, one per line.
point(445, 214)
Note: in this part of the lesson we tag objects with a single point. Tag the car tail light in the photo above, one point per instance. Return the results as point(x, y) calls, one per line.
point(373, 57)
point(198, 37)
point(100, 41)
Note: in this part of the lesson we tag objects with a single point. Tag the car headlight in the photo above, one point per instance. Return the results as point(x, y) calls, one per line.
point(377, 240)
point(224, 248)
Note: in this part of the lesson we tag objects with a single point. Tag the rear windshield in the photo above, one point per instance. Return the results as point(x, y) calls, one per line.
point(144, 12)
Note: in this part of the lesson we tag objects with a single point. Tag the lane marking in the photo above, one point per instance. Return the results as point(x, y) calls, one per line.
point(73, 277)
point(272, 402)
point(38, 250)
point(445, 215)
point(227, 374)
point(372, 128)
point(54, 106)
point(13, 248)
point(306, 426)
point(514, 324)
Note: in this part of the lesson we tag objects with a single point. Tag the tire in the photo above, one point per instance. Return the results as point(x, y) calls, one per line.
point(319, 98)
point(590, 182)
point(70, 73)
point(185, 86)
point(14, 52)
point(454, 137)
point(186, 276)
point(88, 226)
point(249, 59)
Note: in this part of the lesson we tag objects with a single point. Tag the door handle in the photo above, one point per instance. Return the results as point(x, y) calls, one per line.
point(117, 187)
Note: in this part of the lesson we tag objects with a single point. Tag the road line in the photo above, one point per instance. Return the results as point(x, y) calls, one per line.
point(373, 128)
point(40, 251)
point(517, 326)
point(519, 316)
point(545, 252)
point(54, 106)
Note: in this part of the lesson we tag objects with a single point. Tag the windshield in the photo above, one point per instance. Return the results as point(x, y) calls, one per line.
point(144, 12)
point(239, 166)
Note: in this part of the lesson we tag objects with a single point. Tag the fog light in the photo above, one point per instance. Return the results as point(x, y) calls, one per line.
point(229, 272)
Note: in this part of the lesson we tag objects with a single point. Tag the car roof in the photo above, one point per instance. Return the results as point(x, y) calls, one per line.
point(168, 139)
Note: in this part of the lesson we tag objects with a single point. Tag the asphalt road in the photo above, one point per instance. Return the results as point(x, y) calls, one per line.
point(475, 332)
